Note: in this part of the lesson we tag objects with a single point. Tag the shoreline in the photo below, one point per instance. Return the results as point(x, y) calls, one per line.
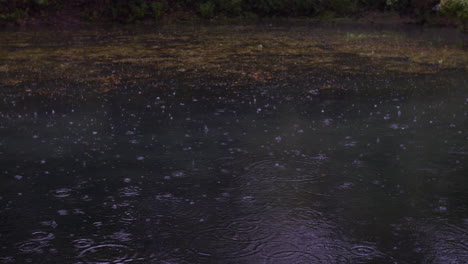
point(368, 17)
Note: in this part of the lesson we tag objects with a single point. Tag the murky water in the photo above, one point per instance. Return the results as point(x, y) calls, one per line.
point(243, 144)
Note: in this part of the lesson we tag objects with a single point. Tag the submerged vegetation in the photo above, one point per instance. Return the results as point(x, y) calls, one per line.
point(239, 55)
point(138, 10)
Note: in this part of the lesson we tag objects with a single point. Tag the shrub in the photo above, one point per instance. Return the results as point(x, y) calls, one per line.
point(267, 7)
point(138, 10)
point(158, 9)
point(15, 14)
point(342, 7)
point(455, 8)
point(230, 7)
point(307, 7)
point(373, 4)
point(128, 11)
point(207, 9)
point(397, 5)
point(41, 2)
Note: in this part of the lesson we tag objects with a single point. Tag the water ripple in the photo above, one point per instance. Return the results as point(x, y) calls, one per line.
point(363, 250)
point(278, 249)
point(31, 246)
point(83, 243)
point(244, 225)
point(107, 254)
point(222, 242)
point(297, 257)
point(42, 236)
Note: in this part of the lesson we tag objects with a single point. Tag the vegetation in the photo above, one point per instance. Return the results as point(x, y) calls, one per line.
point(128, 11)
point(455, 8)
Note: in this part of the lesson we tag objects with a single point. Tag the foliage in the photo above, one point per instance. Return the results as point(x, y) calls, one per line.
point(230, 7)
point(158, 9)
point(342, 7)
point(138, 9)
point(14, 10)
point(207, 9)
point(455, 8)
point(397, 5)
point(266, 7)
point(307, 7)
point(128, 11)
point(15, 14)
point(133, 10)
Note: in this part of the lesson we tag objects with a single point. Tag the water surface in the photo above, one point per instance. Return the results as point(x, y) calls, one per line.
point(295, 143)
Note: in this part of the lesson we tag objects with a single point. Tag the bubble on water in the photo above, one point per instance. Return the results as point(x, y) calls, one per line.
point(78, 211)
point(62, 212)
point(140, 158)
point(62, 192)
point(52, 223)
point(18, 177)
point(178, 174)
point(346, 185)
point(248, 198)
point(130, 191)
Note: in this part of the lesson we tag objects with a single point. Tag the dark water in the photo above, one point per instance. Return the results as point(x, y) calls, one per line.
point(270, 173)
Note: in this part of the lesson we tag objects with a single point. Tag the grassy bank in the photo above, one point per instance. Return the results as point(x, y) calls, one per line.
point(131, 11)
